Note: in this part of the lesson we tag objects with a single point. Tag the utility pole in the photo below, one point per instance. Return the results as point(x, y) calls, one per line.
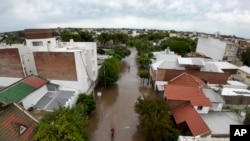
point(104, 75)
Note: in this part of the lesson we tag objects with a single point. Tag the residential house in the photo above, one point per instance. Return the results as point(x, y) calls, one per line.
point(186, 99)
point(226, 67)
point(69, 64)
point(236, 96)
point(34, 92)
point(225, 50)
point(243, 74)
point(195, 107)
point(166, 70)
point(16, 124)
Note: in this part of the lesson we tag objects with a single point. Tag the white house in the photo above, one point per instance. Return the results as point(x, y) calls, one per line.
point(217, 49)
point(70, 64)
point(36, 92)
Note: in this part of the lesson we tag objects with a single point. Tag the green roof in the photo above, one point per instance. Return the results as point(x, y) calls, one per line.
point(15, 93)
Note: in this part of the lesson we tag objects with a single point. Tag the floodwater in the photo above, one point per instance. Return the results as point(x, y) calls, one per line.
point(115, 107)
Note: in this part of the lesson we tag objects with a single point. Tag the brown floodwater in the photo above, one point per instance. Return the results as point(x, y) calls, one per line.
point(115, 107)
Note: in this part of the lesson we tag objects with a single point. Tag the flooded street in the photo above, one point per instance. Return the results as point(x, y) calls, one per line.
point(115, 108)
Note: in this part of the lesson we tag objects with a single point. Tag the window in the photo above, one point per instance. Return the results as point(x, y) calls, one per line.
point(199, 107)
point(37, 43)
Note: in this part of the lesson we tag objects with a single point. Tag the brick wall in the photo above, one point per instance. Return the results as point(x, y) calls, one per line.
point(10, 63)
point(211, 77)
point(56, 65)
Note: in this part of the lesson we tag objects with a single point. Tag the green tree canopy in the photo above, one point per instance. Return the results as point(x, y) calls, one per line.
point(119, 38)
point(103, 38)
point(63, 124)
point(247, 119)
point(155, 120)
point(100, 51)
point(143, 61)
point(109, 72)
point(144, 74)
point(86, 36)
point(245, 56)
point(179, 45)
point(88, 100)
point(66, 36)
point(122, 51)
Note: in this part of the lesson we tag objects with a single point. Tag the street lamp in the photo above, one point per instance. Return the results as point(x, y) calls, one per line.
point(99, 94)
point(104, 75)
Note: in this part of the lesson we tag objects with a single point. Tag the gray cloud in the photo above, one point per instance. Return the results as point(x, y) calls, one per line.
point(227, 16)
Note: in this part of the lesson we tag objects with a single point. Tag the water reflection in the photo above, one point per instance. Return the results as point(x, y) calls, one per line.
point(109, 94)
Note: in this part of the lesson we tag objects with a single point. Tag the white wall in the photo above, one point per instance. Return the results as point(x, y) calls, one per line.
point(34, 97)
point(203, 111)
point(213, 48)
point(88, 53)
point(6, 81)
point(45, 44)
point(82, 84)
point(28, 60)
point(216, 107)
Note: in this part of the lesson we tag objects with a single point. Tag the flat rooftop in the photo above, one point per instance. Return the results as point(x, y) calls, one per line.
point(52, 100)
point(219, 122)
point(235, 92)
point(213, 96)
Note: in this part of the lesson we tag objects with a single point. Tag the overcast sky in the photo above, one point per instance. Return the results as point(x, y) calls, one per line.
point(230, 17)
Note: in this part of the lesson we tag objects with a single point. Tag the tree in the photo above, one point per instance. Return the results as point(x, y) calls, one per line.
point(247, 119)
point(122, 51)
point(63, 124)
point(86, 36)
point(109, 72)
point(155, 120)
point(100, 51)
point(144, 75)
point(245, 56)
point(143, 61)
point(179, 45)
point(66, 36)
point(103, 38)
point(119, 38)
point(87, 100)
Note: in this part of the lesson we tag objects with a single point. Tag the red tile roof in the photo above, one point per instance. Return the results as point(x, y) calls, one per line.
point(188, 80)
point(192, 94)
point(187, 113)
point(15, 125)
point(35, 81)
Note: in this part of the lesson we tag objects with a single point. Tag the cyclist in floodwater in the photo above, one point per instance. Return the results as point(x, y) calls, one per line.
point(112, 132)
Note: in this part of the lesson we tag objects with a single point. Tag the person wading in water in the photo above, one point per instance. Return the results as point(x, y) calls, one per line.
point(112, 132)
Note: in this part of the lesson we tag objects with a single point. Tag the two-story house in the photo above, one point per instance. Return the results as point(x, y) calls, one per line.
point(68, 64)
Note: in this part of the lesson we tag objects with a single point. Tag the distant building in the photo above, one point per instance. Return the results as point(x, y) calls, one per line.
point(243, 74)
point(217, 49)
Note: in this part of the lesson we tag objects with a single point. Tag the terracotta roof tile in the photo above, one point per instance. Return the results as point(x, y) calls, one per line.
point(35, 81)
point(21, 89)
point(186, 113)
point(188, 80)
point(193, 94)
point(15, 125)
